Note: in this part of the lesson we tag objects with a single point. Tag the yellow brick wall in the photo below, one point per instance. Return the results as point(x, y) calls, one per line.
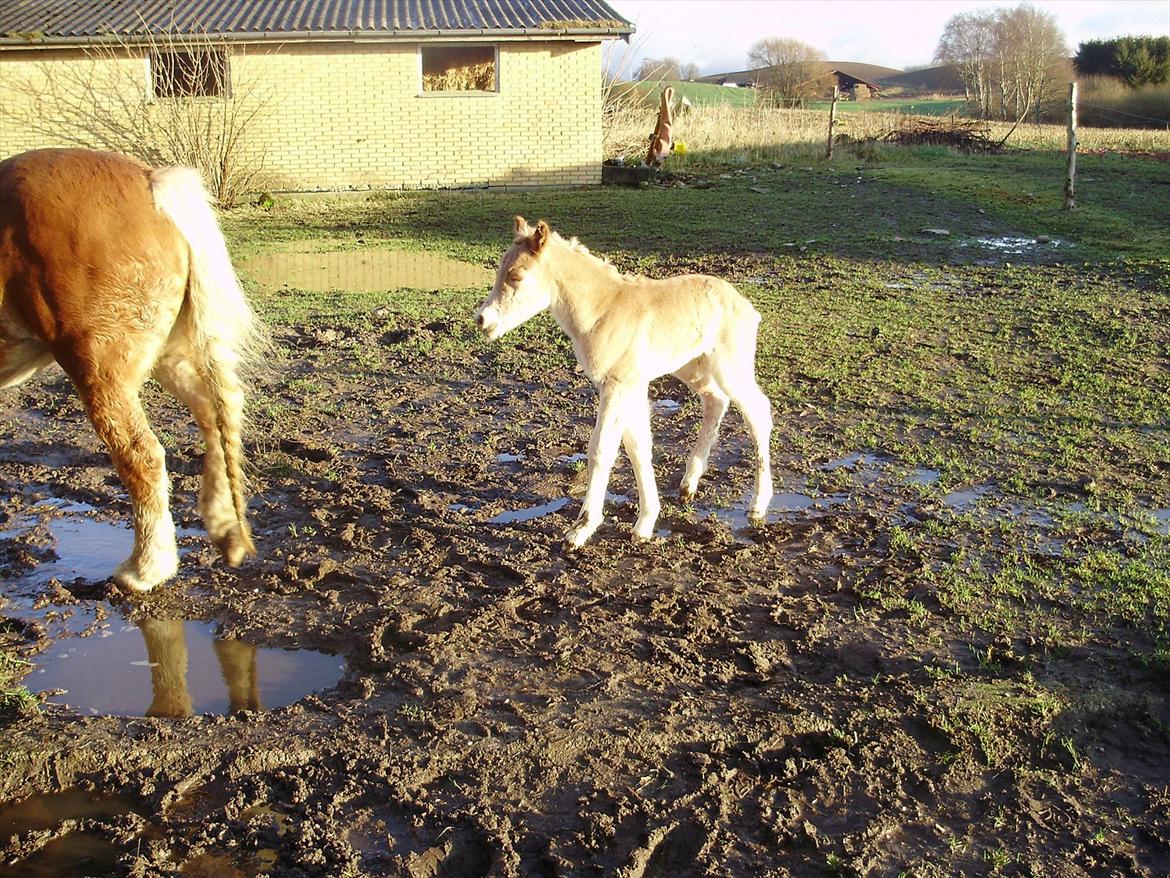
point(343, 115)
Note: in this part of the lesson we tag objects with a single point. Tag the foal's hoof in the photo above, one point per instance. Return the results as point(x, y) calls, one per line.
point(578, 535)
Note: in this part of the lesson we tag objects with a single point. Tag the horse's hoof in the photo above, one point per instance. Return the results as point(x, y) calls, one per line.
point(144, 578)
point(234, 548)
point(686, 495)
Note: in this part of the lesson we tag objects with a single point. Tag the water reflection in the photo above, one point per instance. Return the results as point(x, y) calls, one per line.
point(186, 670)
point(166, 649)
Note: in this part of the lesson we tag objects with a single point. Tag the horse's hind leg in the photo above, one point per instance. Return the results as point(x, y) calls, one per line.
point(177, 372)
point(697, 375)
point(118, 418)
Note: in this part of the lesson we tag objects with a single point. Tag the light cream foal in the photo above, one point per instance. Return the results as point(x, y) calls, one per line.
point(626, 331)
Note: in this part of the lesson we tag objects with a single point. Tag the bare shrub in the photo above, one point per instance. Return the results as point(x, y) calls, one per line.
point(167, 99)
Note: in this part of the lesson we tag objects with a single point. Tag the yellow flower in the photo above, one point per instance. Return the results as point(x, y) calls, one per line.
point(680, 147)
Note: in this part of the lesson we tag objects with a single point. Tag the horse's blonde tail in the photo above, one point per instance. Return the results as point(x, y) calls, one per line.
point(224, 330)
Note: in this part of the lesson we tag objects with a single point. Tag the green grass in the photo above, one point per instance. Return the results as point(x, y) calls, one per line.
point(14, 698)
point(1041, 376)
point(909, 106)
point(701, 94)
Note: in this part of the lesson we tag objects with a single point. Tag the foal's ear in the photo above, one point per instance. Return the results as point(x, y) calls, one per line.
point(540, 236)
point(521, 228)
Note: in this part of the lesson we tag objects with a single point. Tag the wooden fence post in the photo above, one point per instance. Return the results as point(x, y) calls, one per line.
point(832, 121)
point(1070, 195)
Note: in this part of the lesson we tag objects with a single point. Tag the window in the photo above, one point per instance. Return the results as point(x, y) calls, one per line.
point(458, 68)
point(198, 73)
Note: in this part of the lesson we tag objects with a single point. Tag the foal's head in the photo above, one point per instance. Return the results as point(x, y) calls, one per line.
point(522, 289)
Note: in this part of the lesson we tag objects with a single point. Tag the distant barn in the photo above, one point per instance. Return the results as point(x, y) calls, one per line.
point(850, 87)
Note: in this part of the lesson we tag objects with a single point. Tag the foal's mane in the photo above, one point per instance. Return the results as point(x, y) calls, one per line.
point(577, 247)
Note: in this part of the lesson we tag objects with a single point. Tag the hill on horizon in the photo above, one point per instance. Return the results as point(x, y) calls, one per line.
point(940, 79)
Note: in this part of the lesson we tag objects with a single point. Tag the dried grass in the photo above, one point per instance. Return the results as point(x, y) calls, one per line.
point(469, 77)
point(748, 134)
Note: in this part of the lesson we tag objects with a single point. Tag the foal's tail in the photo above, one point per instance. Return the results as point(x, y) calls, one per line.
point(225, 331)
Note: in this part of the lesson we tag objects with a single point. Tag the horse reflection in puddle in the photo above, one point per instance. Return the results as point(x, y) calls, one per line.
point(166, 648)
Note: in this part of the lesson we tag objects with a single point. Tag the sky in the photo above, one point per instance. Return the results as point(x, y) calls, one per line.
point(716, 34)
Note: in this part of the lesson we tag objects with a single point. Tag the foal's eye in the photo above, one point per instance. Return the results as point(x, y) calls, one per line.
point(514, 277)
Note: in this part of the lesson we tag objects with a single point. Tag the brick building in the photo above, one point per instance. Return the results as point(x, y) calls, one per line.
point(338, 93)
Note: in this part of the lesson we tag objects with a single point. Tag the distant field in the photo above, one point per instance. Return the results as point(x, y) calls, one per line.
point(703, 94)
point(919, 106)
point(700, 94)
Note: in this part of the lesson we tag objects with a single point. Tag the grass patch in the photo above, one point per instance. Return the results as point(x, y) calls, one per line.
point(1037, 376)
point(15, 699)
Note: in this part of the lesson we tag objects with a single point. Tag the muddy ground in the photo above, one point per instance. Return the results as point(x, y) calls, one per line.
point(725, 700)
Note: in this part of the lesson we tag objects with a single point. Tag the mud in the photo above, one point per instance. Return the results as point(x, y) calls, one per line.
point(728, 699)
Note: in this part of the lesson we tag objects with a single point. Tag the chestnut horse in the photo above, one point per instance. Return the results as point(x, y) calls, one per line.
point(119, 272)
point(628, 330)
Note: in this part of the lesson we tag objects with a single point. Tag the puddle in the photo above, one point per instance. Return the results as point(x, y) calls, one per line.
point(856, 460)
point(965, 500)
point(1017, 245)
point(666, 406)
point(784, 504)
point(531, 513)
point(73, 854)
point(1161, 521)
point(923, 476)
point(175, 668)
point(86, 548)
point(362, 271)
point(44, 812)
point(575, 458)
point(509, 458)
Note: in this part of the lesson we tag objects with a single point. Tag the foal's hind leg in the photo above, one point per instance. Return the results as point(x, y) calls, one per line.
point(697, 375)
point(178, 374)
point(111, 400)
point(740, 383)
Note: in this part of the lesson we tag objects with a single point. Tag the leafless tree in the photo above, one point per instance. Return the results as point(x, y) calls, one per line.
point(689, 72)
point(785, 64)
point(659, 69)
point(967, 44)
point(1009, 60)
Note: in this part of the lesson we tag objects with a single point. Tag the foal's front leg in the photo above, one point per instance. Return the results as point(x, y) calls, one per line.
point(603, 448)
point(638, 444)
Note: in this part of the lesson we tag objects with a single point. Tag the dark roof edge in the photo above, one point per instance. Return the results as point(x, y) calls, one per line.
point(600, 33)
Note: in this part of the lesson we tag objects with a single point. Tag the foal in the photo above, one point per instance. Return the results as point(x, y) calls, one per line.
point(119, 272)
point(626, 331)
